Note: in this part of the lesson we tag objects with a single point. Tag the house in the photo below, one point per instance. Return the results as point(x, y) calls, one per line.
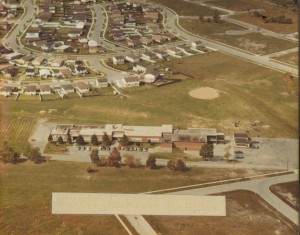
point(196, 44)
point(119, 37)
point(75, 33)
point(3, 10)
point(133, 42)
point(131, 81)
point(146, 41)
point(102, 82)
point(33, 33)
point(57, 62)
point(83, 87)
point(132, 58)
point(148, 55)
point(150, 76)
point(29, 90)
point(69, 88)
point(241, 140)
point(4, 25)
point(30, 72)
point(11, 73)
point(184, 48)
point(140, 67)
point(169, 36)
point(118, 60)
point(159, 38)
point(81, 70)
point(39, 61)
point(26, 59)
point(48, 7)
point(45, 73)
point(47, 46)
point(174, 51)
point(160, 53)
point(66, 72)
point(151, 15)
point(6, 91)
point(45, 90)
point(45, 16)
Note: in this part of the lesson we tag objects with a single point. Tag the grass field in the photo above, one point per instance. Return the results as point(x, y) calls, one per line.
point(253, 42)
point(248, 93)
point(185, 8)
point(291, 58)
point(26, 193)
point(246, 214)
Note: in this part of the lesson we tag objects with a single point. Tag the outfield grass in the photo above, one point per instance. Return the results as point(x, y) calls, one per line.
point(185, 8)
point(26, 193)
point(253, 42)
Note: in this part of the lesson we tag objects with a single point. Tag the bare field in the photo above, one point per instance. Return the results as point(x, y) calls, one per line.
point(247, 214)
point(291, 58)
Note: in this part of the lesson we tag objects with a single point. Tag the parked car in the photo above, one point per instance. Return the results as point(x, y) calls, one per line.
point(255, 144)
point(79, 148)
point(84, 148)
point(140, 149)
point(145, 149)
point(90, 148)
point(238, 154)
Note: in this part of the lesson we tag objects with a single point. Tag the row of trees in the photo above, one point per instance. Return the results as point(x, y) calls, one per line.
point(10, 155)
point(216, 18)
point(274, 19)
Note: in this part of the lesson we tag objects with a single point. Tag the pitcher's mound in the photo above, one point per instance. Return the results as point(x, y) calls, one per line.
point(204, 93)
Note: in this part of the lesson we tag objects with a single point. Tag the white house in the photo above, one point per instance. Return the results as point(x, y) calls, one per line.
point(81, 70)
point(33, 33)
point(140, 67)
point(131, 81)
point(68, 88)
point(196, 44)
point(44, 73)
point(39, 60)
point(132, 58)
point(75, 33)
point(160, 53)
point(118, 60)
point(29, 90)
point(102, 82)
point(45, 90)
point(148, 55)
point(150, 76)
point(174, 51)
point(30, 72)
point(57, 62)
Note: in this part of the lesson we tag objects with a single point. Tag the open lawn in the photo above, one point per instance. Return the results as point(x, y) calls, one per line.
point(24, 97)
point(51, 97)
point(26, 193)
point(53, 148)
point(291, 58)
point(247, 93)
point(185, 8)
point(253, 42)
point(246, 214)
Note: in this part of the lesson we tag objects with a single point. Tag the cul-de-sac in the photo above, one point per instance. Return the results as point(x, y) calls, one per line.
point(149, 117)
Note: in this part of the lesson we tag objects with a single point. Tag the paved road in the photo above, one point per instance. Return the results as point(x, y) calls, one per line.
point(259, 186)
point(140, 225)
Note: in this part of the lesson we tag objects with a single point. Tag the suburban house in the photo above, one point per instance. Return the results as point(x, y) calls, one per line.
point(118, 60)
point(169, 36)
point(11, 73)
point(75, 33)
point(146, 41)
point(6, 91)
point(196, 44)
point(132, 58)
point(241, 140)
point(30, 72)
point(83, 87)
point(68, 88)
point(102, 82)
point(81, 70)
point(57, 62)
point(151, 75)
point(148, 55)
point(159, 38)
point(131, 81)
point(183, 48)
point(140, 67)
point(133, 42)
point(66, 72)
point(45, 90)
point(39, 60)
point(26, 59)
point(29, 90)
point(44, 16)
point(33, 33)
point(174, 51)
point(160, 53)
point(45, 73)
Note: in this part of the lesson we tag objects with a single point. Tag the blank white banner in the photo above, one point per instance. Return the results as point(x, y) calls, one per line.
point(137, 204)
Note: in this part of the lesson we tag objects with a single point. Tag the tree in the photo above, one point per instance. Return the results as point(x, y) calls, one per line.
point(151, 162)
point(216, 17)
point(207, 151)
point(149, 142)
point(129, 161)
point(33, 154)
point(50, 138)
point(124, 140)
point(114, 158)
point(176, 165)
point(80, 140)
point(94, 140)
point(105, 139)
point(69, 139)
point(60, 140)
point(9, 155)
point(227, 155)
point(94, 157)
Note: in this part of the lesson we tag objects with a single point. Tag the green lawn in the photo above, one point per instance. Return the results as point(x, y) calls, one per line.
point(51, 97)
point(52, 148)
point(26, 193)
point(24, 97)
point(252, 42)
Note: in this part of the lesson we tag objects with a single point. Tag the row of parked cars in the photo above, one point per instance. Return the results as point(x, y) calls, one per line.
point(140, 149)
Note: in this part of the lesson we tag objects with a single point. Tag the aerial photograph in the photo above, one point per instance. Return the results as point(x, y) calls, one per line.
point(149, 117)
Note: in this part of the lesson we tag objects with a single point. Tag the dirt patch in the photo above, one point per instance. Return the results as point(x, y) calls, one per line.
point(204, 93)
point(250, 45)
